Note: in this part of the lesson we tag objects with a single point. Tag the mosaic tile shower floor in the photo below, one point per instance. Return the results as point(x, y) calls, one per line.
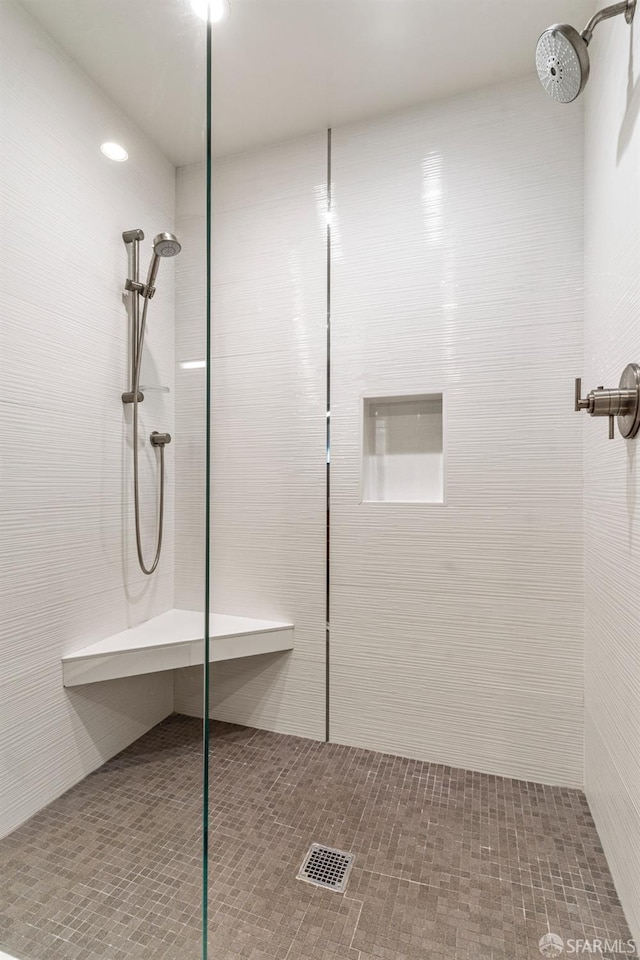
point(449, 864)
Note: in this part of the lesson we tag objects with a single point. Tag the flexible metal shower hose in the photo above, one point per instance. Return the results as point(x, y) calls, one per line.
point(136, 491)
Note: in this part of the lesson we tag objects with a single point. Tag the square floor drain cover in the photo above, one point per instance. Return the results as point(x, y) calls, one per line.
point(326, 867)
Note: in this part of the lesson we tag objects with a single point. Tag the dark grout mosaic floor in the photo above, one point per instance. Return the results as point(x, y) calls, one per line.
point(450, 865)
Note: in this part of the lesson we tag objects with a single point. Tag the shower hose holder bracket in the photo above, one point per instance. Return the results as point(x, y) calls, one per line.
point(136, 286)
point(128, 396)
point(622, 402)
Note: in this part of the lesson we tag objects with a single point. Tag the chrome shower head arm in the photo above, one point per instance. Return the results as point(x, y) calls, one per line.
point(562, 54)
point(627, 7)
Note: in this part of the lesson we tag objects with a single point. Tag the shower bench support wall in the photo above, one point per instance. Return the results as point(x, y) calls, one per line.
point(171, 641)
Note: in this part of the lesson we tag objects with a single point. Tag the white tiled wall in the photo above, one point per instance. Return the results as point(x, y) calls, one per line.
point(269, 420)
point(456, 629)
point(69, 570)
point(612, 469)
point(457, 268)
point(191, 348)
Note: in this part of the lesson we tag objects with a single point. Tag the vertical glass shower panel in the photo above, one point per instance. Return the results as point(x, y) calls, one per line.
point(104, 127)
point(385, 259)
point(268, 468)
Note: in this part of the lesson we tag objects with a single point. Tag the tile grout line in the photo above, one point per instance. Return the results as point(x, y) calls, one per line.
point(293, 939)
point(355, 929)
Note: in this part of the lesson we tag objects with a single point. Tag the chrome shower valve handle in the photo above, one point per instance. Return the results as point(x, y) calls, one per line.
point(622, 402)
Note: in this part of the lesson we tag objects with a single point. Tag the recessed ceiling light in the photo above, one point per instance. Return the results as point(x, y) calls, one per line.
point(213, 10)
point(115, 152)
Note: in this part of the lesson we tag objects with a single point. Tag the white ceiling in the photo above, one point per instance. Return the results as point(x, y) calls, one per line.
point(287, 67)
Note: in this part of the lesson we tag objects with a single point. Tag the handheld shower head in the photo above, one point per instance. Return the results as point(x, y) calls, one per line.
point(562, 56)
point(164, 245)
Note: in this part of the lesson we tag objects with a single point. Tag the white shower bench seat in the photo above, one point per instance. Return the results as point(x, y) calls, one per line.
point(174, 640)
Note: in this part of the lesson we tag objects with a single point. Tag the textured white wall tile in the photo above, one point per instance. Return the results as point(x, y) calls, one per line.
point(456, 634)
point(268, 407)
point(457, 630)
point(191, 305)
point(612, 470)
point(69, 572)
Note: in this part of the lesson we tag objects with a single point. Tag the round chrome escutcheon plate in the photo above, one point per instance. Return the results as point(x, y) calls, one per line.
point(630, 380)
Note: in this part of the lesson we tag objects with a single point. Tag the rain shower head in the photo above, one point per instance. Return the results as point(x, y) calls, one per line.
point(562, 55)
point(164, 245)
point(562, 61)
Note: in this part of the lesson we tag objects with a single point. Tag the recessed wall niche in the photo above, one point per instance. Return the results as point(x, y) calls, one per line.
point(402, 454)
